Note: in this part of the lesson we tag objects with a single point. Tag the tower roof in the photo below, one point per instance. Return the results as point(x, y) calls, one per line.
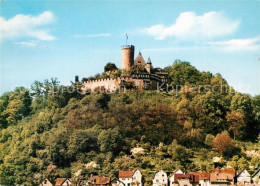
point(149, 61)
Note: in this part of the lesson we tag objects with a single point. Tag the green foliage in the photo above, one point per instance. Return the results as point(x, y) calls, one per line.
point(110, 67)
point(55, 131)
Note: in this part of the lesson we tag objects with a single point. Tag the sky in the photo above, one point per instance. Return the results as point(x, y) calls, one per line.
point(44, 39)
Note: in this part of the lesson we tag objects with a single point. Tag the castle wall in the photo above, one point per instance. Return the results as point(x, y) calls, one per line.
point(111, 84)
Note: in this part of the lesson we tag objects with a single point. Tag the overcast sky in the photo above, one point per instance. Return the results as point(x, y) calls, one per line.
point(44, 39)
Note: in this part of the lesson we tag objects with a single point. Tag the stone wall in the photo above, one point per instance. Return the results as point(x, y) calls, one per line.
point(110, 84)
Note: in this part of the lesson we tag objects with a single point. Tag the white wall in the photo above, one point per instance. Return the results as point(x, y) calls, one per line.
point(160, 178)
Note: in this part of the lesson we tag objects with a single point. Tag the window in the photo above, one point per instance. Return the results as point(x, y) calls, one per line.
point(157, 181)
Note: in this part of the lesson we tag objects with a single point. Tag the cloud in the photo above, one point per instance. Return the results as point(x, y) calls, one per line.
point(191, 26)
point(32, 43)
point(249, 44)
point(93, 35)
point(27, 26)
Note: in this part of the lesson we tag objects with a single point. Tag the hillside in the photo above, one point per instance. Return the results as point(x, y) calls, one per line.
point(54, 131)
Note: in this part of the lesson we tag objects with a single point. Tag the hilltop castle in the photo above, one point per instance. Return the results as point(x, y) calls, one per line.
point(136, 74)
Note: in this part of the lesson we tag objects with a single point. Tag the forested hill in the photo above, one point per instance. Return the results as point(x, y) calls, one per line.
point(55, 131)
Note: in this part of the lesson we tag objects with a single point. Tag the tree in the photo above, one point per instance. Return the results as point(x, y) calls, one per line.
point(182, 72)
point(18, 106)
point(235, 120)
point(110, 140)
point(222, 143)
point(110, 67)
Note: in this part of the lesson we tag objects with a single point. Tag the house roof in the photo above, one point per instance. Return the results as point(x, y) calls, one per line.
point(191, 177)
point(255, 173)
point(202, 175)
point(126, 174)
point(174, 172)
point(102, 180)
point(116, 180)
point(139, 59)
point(60, 181)
point(214, 177)
point(225, 170)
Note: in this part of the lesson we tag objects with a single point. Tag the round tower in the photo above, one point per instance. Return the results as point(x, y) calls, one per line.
point(128, 52)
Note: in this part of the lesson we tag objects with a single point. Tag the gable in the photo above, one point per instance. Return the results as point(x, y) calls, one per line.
point(137, 173)
point(243, 173)
point(139, 60)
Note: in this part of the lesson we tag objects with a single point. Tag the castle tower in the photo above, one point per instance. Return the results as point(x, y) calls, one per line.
point(148, 66)
point(128, 52)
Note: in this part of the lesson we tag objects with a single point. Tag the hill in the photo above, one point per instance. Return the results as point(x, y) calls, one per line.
point(55, 131)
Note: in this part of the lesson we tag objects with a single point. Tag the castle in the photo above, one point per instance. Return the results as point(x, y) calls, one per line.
point(136, 74)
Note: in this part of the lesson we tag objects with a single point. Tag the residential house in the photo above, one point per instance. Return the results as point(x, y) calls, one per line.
point(222, 177)
point(171, 177)
point(256, 177)
point(186, 180)
point(243, 177)
point(46, 182)
point(63, 182)
point(204, 178)
point(116, 182)
point(130, 177)
point(160, 178)
point(99, 180)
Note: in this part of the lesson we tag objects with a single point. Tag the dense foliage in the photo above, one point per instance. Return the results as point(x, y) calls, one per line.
point(57, 132)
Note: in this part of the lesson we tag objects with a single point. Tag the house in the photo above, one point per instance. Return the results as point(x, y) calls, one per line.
point(63, 182)
point(222, 177)
point(130, 177)
point(171, 177)
point(160, 178)
point(243, 177)
point(46, 182)
point(256, 177)
point(116, 182)
point(204, 178)
point(186, 180)
point(99, 180)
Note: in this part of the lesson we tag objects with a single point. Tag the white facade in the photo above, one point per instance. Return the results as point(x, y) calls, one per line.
point(204, 183)
point(171, 177)
point(46, 182)
point(160, 178)
point(66, 183)
point(243, 177)
point(135, 180)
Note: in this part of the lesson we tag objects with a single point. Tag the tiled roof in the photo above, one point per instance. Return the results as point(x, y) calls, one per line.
point(102, 180)
point(202, 175)
point(139, 59)
point(222, 175)
point(60, 181)
point(192, 178)
point(225, 170)
point(125, 174)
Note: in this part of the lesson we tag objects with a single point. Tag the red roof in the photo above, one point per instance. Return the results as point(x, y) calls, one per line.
point(100, 179)
point(222, 174)
point(125, 174)
point(225, 170)
point(202, 175)
point(60, 181)
point(192, 178)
